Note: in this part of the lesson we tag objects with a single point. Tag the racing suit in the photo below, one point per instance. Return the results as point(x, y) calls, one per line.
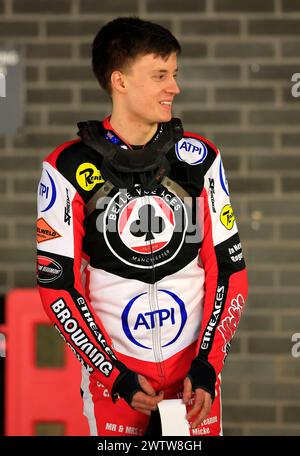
point(140, 274)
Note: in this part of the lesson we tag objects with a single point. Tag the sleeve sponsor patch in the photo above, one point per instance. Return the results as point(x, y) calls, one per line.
point(227, 217)
point(48, 269)
point(44, 231)
point(47, 191)
point(191, 150)
point(87, 176)
point(55, 212)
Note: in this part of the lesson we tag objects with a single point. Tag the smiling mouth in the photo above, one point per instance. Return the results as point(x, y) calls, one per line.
point(166, 105)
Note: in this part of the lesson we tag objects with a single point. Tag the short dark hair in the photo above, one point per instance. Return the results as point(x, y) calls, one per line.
point(125, 38)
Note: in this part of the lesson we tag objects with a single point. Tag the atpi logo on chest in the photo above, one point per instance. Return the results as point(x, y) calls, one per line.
point(138, 321)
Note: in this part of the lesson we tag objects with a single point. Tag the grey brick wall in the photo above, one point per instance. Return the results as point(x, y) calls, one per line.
point(235, 74)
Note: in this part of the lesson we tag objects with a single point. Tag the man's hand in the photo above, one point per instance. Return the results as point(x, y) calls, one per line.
point(147, 401)
point(202, 405)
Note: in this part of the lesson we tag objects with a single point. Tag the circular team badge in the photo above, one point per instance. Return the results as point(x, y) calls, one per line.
point(141, 229)
point(191, 150)
point(227, 217)
point(87, 176)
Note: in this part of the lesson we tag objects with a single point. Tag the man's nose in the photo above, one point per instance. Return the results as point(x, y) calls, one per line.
point(173, 87)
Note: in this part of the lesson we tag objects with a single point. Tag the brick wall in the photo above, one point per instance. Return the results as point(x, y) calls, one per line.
point(235, 75)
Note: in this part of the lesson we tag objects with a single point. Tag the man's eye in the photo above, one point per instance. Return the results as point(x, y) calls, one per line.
point(162, 76)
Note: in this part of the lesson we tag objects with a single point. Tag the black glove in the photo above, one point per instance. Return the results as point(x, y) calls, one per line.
point(202, 375)
point(126, 385)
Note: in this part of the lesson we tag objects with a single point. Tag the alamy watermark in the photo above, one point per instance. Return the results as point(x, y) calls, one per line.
point(296, 347)
point(296, 87)
point(2, 84)
point(7, 58)
point(160, 214)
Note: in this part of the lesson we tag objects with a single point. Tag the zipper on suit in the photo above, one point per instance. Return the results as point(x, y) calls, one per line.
point(154, 306)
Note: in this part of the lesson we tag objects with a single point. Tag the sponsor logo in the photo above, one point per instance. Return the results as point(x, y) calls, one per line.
point(67, 217)
point(89, 368)
point(87, 176)
point(139, 230)
point(229, 324)
point(223, 179)
point(212, 193)
point(211, 420)
point(236, 252)
point(48, 269)
point(85, 312)
point(201, 431)
point(45, 232)
point(79, 337)
point(215, 317)
point(111, 427)
point(122, 447)
point(191, 151)
point(138, 324)
point(133, 430)
point(47, 192)
point(227, 217)
point(104, 391)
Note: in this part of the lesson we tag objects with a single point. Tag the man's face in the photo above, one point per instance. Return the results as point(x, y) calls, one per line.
point(151, 88)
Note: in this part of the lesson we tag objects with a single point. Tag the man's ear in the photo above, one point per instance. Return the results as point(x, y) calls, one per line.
point(117, 81)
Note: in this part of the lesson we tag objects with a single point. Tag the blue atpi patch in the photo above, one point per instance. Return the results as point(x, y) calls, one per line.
point(191, 150)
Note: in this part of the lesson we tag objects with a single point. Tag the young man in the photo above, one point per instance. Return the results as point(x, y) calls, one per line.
point(140, 265)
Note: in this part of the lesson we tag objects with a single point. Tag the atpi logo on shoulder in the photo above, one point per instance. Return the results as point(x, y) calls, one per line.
point(191, 150)
point(47, 192)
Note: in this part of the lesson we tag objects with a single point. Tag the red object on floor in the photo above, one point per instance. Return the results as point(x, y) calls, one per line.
point(37, 394)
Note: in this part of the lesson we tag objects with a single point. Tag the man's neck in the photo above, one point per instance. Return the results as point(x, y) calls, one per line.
point(133, 132)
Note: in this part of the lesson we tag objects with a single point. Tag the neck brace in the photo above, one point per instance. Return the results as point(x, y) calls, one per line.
point(122, 166)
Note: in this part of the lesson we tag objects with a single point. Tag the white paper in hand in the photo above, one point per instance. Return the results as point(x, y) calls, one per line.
point(173, 417)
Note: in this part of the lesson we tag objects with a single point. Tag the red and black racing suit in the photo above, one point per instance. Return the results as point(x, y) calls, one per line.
point(149, 297)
